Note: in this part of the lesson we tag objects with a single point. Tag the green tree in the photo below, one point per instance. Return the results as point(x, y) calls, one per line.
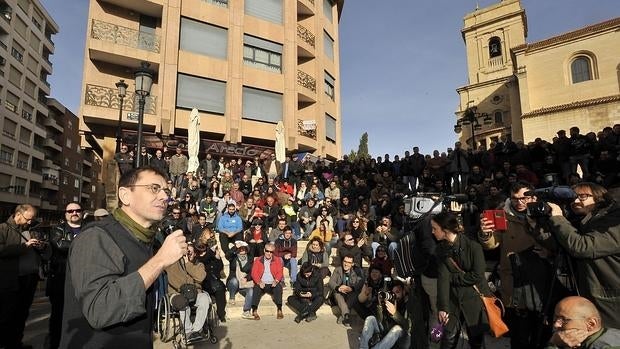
point(362, 149)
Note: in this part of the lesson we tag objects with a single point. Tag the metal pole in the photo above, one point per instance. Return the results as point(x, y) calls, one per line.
point(118, 127)
point(141, 102)
point(473, 136)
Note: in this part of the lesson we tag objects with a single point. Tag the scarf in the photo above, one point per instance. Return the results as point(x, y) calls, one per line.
point(243, 260)
point(141, 233)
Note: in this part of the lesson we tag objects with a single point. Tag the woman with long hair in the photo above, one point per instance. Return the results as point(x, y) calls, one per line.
point(461, 267)
point(315, 254)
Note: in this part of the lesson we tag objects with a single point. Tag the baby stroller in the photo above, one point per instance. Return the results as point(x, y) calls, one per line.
point(169, 323)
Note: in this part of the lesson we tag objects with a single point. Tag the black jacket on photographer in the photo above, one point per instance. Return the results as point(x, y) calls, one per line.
point(61, 238)
point(399, 318)
point(595, 247)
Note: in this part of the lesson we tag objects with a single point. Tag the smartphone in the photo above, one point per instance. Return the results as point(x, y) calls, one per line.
point(498, 217)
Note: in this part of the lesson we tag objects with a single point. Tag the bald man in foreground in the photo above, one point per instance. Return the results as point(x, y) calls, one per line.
point(577, 324)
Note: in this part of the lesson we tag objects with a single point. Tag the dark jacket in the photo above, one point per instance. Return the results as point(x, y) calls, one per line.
point(455, 292)
point(313, 284)
point(355, 281)
point(595, 247)
point(60, 240)
point(11, 248)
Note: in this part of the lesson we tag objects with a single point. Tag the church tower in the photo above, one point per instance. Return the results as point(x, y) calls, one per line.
point(491, 92)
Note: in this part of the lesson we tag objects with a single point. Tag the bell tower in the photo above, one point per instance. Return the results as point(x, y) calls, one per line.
point(490, 34)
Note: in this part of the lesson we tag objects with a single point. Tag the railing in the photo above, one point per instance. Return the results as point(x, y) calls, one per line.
point(496, 62)
point(107, 97)
point(26, 115)
point(22, 164)
point(10, 106)
point(18, 55)
point(124, 36)
point(306, 131)
point(42, 99)
point(306, 81)
point(306, 35)
point(222, 3)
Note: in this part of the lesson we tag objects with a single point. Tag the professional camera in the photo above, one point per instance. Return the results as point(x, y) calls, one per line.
point(386, 293)
point(433, 203)
point(557, 194)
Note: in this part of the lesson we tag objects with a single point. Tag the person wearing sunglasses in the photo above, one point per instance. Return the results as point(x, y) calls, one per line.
point(267, 274)
point(61, 238)
point(19, 272)
point(111, 268)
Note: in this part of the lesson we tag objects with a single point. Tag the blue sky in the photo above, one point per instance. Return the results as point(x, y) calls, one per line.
point(400, 62)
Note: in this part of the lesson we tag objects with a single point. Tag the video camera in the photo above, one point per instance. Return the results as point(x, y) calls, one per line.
point(556, 194)
point(433, 203)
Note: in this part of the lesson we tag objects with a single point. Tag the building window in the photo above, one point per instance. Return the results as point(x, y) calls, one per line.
point(22, 160)
point(203, 39)
point(262, 105)
point(269, 10)
point(262, 54)
point(25, 135)
point(499, 117)
point(581, 69)
point(76, 183)
point(5, 182)
point(20, 186)
point(328, 45)
point(204, 94)
point(330, 82)
point(495, 47)
point(327, 10)
point(66, 163)
point(6, 154)
point(68, 143)
point(330, 128)
point(11, 102)
point(9, 128)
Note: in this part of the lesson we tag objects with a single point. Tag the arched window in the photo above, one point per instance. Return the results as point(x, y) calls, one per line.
point(495, 47)
point(581, 69)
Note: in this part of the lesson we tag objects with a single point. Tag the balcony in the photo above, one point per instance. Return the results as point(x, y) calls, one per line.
point(48, 163)
point(307, 94)
point(124, 36)
point(220, 3)
point(49, 122)
point(85, 195)
point(49, 183)
point(87, 162)
point(305, 7)
point(106, 97)
point(17, 55)
point(307, 128)
point(50, 143)
point(307, 43)
point(49, 205)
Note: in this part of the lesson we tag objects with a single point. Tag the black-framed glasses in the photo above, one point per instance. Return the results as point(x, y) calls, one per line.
point(268, 251)
point(176, 212)
point(351, 239)
point(522, 199)
point(77, 210)
point(153, 188)
point(584, 197)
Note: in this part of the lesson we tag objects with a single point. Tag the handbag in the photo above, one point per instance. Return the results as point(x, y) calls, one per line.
point(493, 307)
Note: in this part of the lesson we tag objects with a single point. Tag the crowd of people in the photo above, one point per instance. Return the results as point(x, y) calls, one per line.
point(352, 212)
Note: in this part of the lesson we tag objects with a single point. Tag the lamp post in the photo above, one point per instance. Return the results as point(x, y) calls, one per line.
point(122, 92)
point(471, 117)
point(144, 81)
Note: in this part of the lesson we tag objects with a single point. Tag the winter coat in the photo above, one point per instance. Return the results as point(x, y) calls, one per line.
point(455, 291)
point(595, 247)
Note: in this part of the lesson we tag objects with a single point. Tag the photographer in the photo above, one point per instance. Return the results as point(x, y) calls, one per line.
point(184, 280)
point(391, 323)
point(595, 246)
point(515, 239)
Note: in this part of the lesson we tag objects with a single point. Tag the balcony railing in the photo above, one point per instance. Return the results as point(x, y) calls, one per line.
point(222, 3)
point(306, 35)
point(107, 97)
point(496, 62)
point(306, 129)
point(306, 81)
point(124, 36)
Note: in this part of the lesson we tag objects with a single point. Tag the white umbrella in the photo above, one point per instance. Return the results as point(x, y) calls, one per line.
point(280, 144)
point(193, 140)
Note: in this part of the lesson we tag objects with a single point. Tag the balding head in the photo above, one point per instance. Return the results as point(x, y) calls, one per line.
point(577, 312)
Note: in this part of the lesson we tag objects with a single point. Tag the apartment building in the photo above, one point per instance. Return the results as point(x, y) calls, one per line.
point(245, 65)
point(26, 30)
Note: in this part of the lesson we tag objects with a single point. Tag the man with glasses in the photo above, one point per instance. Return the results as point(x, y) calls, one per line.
point(345, 285)
point(578, 324)
point(124, 159)
point(109, 298)
point(267, 274)
point(594, 244)
point(60, 241)
point(515, 239)
point(19, 272)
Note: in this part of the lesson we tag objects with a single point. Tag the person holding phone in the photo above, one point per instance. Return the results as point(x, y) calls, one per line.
point(19, 272)
point(307, 295)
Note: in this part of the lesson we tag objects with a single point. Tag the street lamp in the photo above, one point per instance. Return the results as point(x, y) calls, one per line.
point(122, 92)
point(144, 81)
point(471, 117)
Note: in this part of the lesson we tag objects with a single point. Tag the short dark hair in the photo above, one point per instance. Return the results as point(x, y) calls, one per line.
point(518, 185)
point(307, 267)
